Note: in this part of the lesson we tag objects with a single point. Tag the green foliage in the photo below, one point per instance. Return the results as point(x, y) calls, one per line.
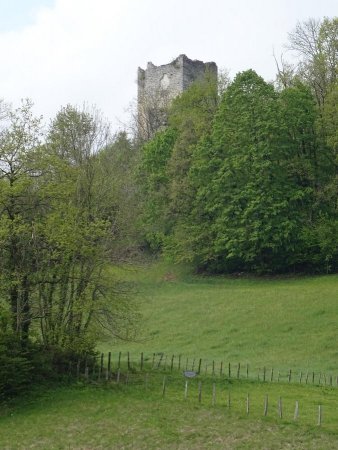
point(15, 367)
point(119, 201)
point(330, 130)
point(251, 198)
point(154, 179)
point(316, 44)
point(57, 235)
point(331, 119)
point(166, 161)
point(191, 116)
point(246, 183)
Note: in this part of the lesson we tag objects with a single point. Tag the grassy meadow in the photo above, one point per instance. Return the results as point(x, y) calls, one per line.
point(280, 323)
point(134, 416)
point(137, 417)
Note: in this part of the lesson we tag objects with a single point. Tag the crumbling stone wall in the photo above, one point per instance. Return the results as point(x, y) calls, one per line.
point(158, 85)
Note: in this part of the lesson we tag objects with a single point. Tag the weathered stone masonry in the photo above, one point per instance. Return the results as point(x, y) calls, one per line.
point(158, 85)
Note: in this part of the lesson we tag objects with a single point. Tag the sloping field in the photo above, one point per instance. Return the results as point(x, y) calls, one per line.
point(276, 323)
point(279, 323)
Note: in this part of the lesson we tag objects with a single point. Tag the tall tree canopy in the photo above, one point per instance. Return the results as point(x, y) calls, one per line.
point(244, 184)
point(56, 235)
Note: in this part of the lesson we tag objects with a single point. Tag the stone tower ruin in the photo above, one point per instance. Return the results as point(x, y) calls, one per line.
point(158, 85)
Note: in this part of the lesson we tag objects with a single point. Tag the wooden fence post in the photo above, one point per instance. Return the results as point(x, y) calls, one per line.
point(264, 373)
point(163, 387)
point(172, 363)
point(141, 365)
point(159, 361)
point(319, 415)
point(199, 391)
point(128, 356)
point(221, 369)
point(179, 362)
point(289, 375)
point(109, 364)
point(271, 377)
point(199, 366)
point(213, 367)
point(266, 405)
point(238, 370)
point(229, 399)
point(119, 361)
point(280, 408)
point(247, 370)
point(229, 370)
point(295, 417)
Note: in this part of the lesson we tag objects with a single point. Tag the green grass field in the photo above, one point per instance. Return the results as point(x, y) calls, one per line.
point(135, 417)
point(278, 323)
point(281, 323)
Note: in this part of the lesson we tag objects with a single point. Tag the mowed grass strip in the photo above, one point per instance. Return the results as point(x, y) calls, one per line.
point(135, 417)
point(277, 322)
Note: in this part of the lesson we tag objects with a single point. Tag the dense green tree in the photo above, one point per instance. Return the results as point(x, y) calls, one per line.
point(330, 123)
point(83, 235)
point(120, 201)
point(56, 236)
point(166, 161)
point(154, 179)
point(243, 185)
point(19, 168)
point(191, 115)
point(256, 178)
point(325, 233)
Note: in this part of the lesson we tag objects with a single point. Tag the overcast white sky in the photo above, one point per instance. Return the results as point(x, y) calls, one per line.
point(73, 51)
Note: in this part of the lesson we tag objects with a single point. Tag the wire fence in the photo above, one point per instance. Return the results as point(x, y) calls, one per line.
point(228, 396)
point(104, 365)
point(232, 387)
